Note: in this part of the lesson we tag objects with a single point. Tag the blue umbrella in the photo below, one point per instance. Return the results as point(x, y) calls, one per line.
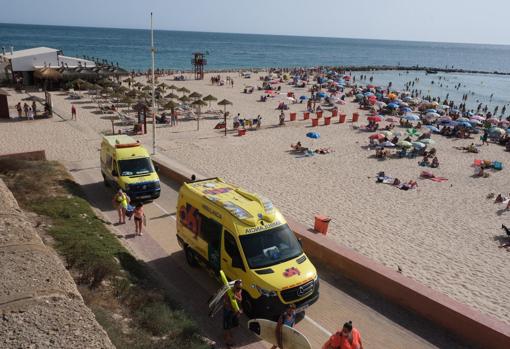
point(393, 105)
point(303, 98)
point(313, 135)
point(432, 128)
point(368, 94)
point(406, 109)
point(322, 94)
point(430, 111)
point(465, 123)
point(412, 117)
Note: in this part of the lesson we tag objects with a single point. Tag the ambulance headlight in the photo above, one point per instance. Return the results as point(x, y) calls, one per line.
point(264, 292)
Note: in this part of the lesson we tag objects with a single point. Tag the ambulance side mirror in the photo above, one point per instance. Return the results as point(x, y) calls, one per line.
point(156, 168)
point(300, 242)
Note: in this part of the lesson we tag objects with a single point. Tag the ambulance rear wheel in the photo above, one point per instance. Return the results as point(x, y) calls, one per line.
point(190, 257)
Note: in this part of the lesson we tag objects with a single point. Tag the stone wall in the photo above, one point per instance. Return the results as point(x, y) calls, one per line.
point(40, 306)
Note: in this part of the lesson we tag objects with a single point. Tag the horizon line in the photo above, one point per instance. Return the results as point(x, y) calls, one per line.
point(238, 33)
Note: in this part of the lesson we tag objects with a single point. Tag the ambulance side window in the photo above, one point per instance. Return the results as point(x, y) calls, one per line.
point(233, 251)
point(210, 230)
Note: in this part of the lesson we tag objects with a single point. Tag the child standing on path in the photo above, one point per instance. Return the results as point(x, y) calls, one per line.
point(139, 217)
point(73, 112)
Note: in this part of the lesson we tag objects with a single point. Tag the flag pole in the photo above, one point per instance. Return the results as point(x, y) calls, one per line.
point(153, 51)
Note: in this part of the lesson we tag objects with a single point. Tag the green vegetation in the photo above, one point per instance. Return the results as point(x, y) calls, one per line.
point(110, 279)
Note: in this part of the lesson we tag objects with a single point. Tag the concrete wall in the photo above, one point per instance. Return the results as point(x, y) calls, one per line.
point(40, 305)
point(30, 155)
point(459, 319)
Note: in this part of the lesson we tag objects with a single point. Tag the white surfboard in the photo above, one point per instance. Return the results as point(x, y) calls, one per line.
point(216, 301)
point(291, 338)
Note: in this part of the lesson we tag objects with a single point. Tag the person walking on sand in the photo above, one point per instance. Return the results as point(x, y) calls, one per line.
point(19, 109)
point(287, 318)
point(73, 112)
point(139, 218)
point(25, 109)
point(230, 316)
point(348, 338)
point(120, 202)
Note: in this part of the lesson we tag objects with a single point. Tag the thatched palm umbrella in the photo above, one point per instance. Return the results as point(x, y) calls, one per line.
point(47, 74)
point(130, 79)
point(105, 82)
point(172, 87)
point(195, 95)
point(30, 98)
point(184, 99)
point(172, 96)
point(184, 90)
point(199, 104)
point(147, 88)
point(170, 105)
point(79, 83)
point(209, 98)
point(138, 85)
point(132, 93)
point(224, 103)
point(127, 100)
point(163, 86)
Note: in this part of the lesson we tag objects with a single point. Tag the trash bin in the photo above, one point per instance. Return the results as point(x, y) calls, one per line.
point(341, 119)
point(355, 117)
point(241, 131)
point(321, 224)
point(292, 116)
point(327, 120)
point(334, 112)
point(306, 115)
point(315, 122)
point(319, 114)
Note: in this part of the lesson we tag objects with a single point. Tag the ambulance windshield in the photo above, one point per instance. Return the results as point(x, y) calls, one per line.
point(270, 247)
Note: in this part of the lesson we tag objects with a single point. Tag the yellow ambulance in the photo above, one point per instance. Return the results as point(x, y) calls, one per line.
point(126, 164)
point(227, 228)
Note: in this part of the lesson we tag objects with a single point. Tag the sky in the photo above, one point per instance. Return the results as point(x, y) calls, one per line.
point(465, 21)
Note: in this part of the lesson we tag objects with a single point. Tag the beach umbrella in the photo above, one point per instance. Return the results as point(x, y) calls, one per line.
point(504, 122)
point(445, 119)
point(475, 122)
point(377, 136)
point(477, 117)
point(172, 96)
point(209, 98)
point(33, 99)
point(47, 74)
point(322, 94)
point(388, 144)
point(412, 117)
point(185, 99)
point(163, 85)
point(147, 88)
point(496, 130)
point(404, 104)
point(199, 104)
point(303, 98)
point(130, 79)
point(493, 121)
point(428, 141)
point(432, 115)
point(170, 105)
point(406, 109)
point(418, 145)
point(380, 104)
point(404, 144)
point(375, 118)
point(432, 128)
point(313, 135)
point(464, 123)
point(393, 105)
point(389, 119)
point(184, 90)
point(387, 134)
point(431, 110)
point(195, 95)
point(172, 87)
point(462, 119)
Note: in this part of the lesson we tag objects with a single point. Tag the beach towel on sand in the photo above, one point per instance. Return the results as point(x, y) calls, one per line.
point(432, 177)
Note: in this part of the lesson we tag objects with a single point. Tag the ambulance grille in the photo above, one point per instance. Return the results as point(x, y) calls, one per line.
point(298, 292)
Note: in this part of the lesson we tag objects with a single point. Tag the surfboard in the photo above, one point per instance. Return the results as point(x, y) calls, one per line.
point(230, 293)
point(216, 301)
point(291, 338)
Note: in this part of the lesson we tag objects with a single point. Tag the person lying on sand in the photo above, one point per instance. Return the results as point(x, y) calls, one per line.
point(298, 147)
point(324, 150)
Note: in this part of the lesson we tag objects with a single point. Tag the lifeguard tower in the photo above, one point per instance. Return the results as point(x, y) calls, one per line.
point(198, 61)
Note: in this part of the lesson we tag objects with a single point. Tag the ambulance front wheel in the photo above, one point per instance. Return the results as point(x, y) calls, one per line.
point(190, 257)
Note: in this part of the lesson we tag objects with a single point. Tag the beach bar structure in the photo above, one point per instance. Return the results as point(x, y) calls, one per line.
point(4, 107)
point(21, 64)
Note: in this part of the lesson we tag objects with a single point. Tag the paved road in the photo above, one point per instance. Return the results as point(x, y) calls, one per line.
point(382, 325)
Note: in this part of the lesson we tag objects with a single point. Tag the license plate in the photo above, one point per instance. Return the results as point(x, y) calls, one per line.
point(144, 197)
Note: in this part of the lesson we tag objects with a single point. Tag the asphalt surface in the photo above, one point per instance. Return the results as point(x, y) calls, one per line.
point(382, 324)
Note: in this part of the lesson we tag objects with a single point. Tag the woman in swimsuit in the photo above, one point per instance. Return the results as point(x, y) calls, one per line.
point(139, 216)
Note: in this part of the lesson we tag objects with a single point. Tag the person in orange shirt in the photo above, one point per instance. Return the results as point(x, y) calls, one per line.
point(348, 338)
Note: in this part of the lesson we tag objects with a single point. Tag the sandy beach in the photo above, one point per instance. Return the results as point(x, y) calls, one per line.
point(442, 234)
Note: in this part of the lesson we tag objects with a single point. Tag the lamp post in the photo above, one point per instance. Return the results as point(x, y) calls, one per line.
point(153, 51)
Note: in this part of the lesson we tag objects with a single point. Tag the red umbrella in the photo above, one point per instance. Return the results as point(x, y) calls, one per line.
point(347, 77)
point(377, 136)
point(375, 118)
point(269, 92)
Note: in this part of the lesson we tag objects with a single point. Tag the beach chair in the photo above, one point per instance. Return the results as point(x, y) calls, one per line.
point(125, 119)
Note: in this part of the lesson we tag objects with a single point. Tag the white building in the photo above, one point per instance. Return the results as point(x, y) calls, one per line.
point(25, 62)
